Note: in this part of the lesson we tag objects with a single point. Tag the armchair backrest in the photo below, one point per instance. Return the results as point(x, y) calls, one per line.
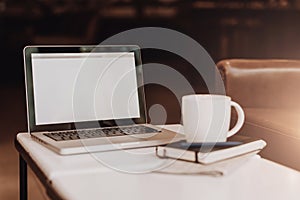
point(262, 83)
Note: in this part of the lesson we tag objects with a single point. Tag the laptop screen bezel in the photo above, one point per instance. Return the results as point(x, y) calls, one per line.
point(85, 124)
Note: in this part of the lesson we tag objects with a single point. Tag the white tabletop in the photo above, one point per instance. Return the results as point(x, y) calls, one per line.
point(105, 176)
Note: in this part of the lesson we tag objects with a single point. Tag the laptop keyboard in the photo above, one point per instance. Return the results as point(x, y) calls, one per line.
point(97, 133)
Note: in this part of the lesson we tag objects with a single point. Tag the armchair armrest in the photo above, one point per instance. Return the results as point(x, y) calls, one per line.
point(257, 83)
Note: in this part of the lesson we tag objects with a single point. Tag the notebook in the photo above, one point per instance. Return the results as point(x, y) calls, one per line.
point(84, 99)
point(208, 154)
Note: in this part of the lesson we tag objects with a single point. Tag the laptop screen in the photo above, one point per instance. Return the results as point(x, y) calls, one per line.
point(111, 76)
point(69, 86)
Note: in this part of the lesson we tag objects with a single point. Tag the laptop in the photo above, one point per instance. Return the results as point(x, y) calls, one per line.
point(83, 99)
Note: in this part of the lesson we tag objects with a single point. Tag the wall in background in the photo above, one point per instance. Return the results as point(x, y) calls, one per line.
point(225, 28)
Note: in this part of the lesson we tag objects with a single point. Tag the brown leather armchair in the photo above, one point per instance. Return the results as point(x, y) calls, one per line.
point(269, 92)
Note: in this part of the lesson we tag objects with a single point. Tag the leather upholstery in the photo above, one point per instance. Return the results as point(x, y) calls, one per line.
point(269, 92)
point(263, 83)
point(283, 143)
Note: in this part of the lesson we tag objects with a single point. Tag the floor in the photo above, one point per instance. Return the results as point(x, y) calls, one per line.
point(12, 121)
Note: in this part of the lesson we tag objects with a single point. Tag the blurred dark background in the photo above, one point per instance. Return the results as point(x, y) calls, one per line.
point(225, 28)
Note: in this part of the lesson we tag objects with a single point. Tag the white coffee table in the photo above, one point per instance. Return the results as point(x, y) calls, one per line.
point(84, 177)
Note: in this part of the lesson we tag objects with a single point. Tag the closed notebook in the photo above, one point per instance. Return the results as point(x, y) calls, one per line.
point(210, 154)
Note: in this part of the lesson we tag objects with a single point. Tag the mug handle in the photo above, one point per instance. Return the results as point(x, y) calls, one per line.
point(240, 121)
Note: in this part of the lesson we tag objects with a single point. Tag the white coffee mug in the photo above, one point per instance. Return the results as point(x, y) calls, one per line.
point(206, 117)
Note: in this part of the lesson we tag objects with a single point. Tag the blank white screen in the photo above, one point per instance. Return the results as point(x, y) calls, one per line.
point(109, 78)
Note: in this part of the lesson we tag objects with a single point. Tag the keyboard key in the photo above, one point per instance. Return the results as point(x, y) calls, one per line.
point(97, 133)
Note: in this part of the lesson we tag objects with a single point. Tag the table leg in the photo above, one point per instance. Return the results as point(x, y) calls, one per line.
point(23, 178)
